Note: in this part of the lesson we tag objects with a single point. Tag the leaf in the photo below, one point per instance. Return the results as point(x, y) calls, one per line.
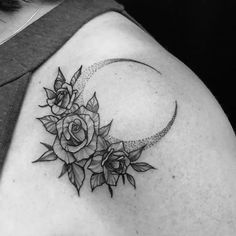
point(49, 122)
point(134, 155)
point(82, 162)
point(49, 147)
point(92, 104)
point(76, 176)
point(43, 106)
point(76, 76)
point(50, 94)
point(60, 80)
point(47, 156)
point(97, 180)
point(141, 166)
point(110, 190)
point(64, 170)
point(101, 144)
point(123, 179)
point(131, 180)
point(104, 131)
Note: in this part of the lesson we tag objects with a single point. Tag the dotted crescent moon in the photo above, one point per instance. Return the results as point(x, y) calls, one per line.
point(131, 144)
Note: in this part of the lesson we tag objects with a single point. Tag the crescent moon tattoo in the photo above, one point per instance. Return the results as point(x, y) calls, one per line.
point(91, 70)
point(149, 141)
point(131, 144)
point(81, 144)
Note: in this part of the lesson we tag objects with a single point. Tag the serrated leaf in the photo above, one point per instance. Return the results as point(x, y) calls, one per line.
point(64, 170)
point(60, 80)
point(104, 131)
point(76, 176)
point(97, 180)
point(131, 180)
point(141, 166)
point(47, 156)
point(76, 76)
point(134, 155)
point(49, 122)
point(50, 94)
point(92, 104)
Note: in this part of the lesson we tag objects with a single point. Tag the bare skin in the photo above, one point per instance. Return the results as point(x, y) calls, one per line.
point(192, 191)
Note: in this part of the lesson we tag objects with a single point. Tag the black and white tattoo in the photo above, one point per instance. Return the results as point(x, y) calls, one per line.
point(82, 144)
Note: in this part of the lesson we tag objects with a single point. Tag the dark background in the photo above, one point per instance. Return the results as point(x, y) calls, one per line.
point(201, 34)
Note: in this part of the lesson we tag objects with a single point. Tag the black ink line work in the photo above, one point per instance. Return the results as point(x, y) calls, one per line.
point(81, 143)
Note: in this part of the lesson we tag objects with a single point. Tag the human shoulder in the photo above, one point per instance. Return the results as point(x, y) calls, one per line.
point(116, 107)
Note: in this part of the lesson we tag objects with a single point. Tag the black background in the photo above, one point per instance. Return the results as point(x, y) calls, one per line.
point(201, 34)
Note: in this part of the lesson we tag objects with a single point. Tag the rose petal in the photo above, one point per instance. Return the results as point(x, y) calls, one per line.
point(65, 101)
point(84, 153)
point(120, 153)
point(51, 102)
point(68, 119)
point(80, 135)
point(70, 148)
point(82, 122)
point(127, 161)
point(95, 165)
point(61, 153)
point(72, 119)
point(90, 126)
point(58, 110)
point(66, 134)
point(87, 151)
point(113, 157)
point(71, 100)
point(117, 146)
point(94, 116)
point(115, 164)
point(99, 153)
point(110, 177)
point(73, 108)
point(68, 87)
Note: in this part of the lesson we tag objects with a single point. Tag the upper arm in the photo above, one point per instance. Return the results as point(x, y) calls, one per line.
point(192, 188)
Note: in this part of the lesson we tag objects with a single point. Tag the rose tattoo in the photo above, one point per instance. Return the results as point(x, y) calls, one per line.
point(62, 99)
point(81, 144)
point(76, 135)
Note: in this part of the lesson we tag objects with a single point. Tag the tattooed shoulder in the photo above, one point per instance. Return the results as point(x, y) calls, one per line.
point(86, 148)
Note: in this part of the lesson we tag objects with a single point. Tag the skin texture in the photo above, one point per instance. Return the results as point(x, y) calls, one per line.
point(193, 190)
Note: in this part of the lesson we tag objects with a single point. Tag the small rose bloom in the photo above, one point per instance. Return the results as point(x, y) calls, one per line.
point(77, 135)
point(112, 162)
point(63, 100)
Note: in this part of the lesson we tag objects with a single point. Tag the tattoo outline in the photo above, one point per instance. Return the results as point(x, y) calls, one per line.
point(81, 143)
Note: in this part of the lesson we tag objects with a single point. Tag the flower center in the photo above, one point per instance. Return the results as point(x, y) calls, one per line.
point(76, 128)
point(77, 132)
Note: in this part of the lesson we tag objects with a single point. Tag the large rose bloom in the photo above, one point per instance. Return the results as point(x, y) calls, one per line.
point(77, 135)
